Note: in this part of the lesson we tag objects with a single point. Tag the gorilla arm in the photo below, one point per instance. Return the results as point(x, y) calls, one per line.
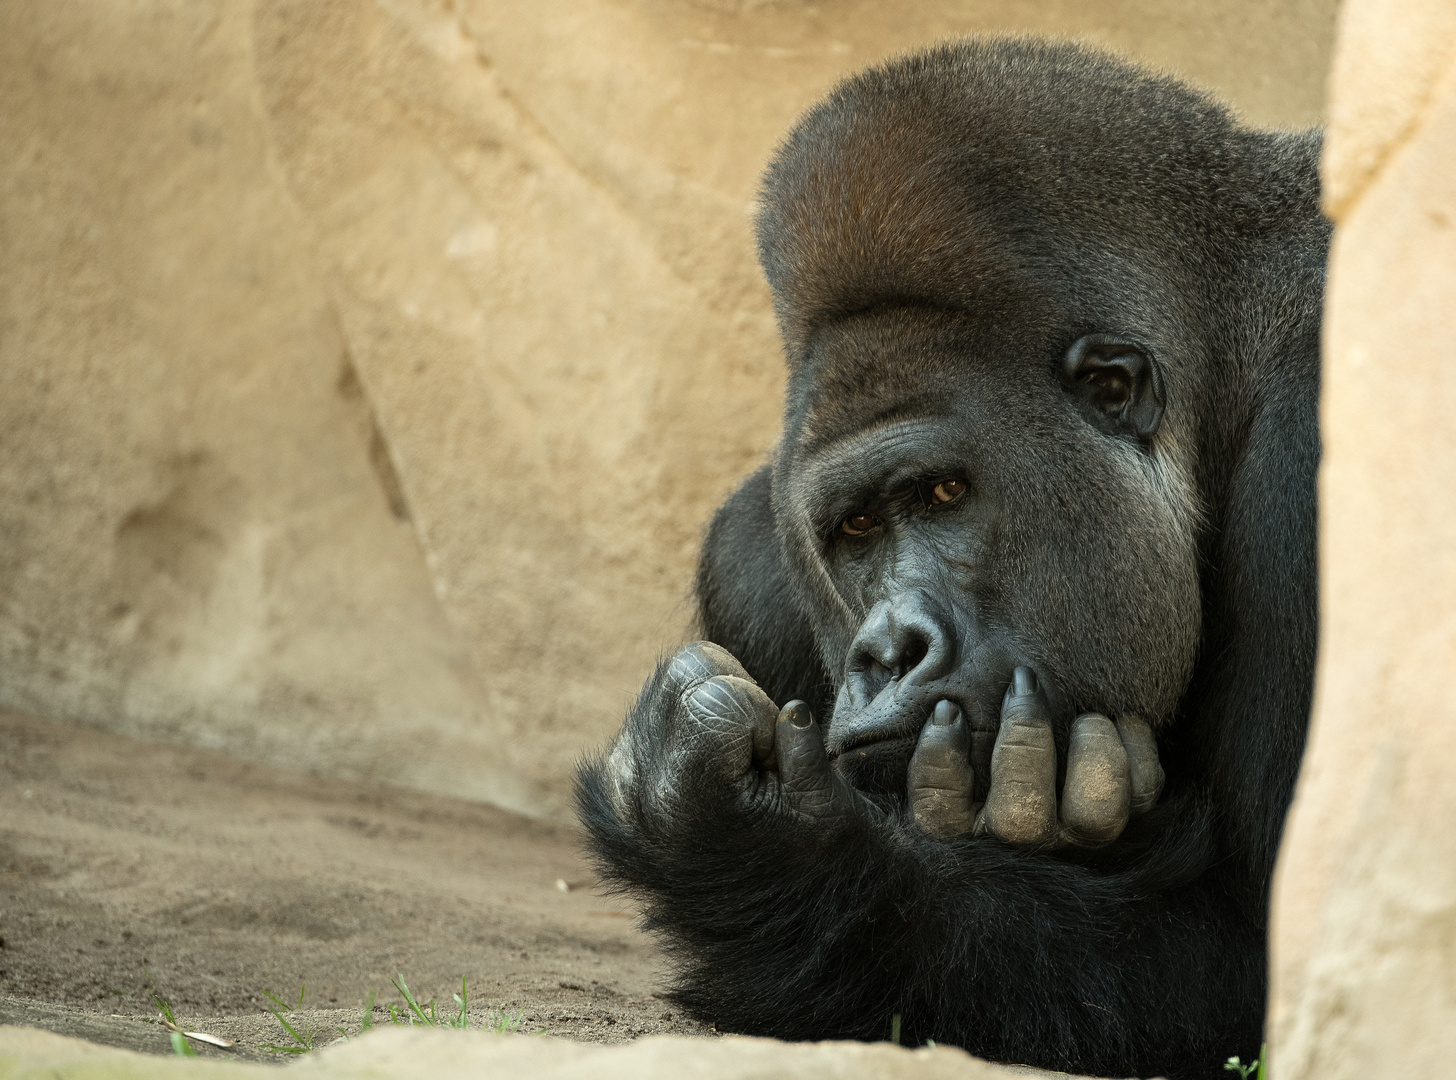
point(796, 907)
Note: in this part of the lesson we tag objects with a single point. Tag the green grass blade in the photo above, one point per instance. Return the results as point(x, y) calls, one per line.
point(409, 1000)
point(292, 1031)
point(164, 1007)
point(504, 1023)
point(462, 1020)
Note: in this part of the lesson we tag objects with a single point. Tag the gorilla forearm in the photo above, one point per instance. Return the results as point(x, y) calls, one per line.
point(783, 928)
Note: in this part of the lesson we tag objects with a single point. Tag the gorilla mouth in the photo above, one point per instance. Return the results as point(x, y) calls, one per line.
point(864, 742)
point(896, 715)
point(876, 745)
point(878, 768)
point(873, 746)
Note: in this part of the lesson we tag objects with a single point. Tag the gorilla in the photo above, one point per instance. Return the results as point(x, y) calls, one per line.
point(1007, 654)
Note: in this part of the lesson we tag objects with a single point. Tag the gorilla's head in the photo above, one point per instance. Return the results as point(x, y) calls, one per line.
point(1003, 359)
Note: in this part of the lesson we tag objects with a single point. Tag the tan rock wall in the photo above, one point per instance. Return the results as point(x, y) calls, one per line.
point(369, 368)
point(419, 1053)
point(1364, 931)
point(193, 541)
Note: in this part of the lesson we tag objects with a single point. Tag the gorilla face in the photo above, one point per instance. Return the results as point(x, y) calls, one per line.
point(961, 501)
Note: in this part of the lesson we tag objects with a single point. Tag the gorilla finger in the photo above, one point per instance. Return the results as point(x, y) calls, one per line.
point(1143, 762)
point(738, 712)
point(804, 771)
point(1021, 805)
point(940, 774)
point(698, 662)
point(1097, 793)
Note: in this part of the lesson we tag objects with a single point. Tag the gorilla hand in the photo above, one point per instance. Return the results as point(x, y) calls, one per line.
point(709, 720)
point(1112, 771)
point(706, 719)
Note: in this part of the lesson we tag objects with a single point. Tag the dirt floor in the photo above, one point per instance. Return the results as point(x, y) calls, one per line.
point(130, 870)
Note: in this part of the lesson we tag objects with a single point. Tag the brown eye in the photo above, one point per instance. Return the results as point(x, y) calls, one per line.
point(947, 491)
point(859, 524)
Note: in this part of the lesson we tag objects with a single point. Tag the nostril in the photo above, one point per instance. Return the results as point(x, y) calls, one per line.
point(901, 636)
point(913, 651)
point(866, 678)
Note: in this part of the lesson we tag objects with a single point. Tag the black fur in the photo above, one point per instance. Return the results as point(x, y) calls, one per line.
point(937, 233)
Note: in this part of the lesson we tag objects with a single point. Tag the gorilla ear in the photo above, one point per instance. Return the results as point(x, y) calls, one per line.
point(1118, 384)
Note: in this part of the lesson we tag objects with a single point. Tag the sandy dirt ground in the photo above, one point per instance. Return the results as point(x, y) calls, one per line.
point(130, 870)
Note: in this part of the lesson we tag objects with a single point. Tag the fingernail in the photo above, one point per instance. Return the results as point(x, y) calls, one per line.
point(1024, 679)
point(797, 713)
point(946, 713)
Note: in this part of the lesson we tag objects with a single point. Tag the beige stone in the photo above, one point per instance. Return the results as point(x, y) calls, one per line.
point(193, 542)
point(1384, 78)
point(420, 1054)
point(1365, 898)
point(371, 367)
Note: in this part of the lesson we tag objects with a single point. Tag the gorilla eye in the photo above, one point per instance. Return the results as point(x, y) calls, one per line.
point(859, 524)
point(948, 490)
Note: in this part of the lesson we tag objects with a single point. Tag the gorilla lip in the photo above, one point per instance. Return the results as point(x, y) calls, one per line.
point(897, 714)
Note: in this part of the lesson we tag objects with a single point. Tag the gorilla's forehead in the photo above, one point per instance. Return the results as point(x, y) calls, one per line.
point(969, 181)
point(881, 457)
point(880, 370)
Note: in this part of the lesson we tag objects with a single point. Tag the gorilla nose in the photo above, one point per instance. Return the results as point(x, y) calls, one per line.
point(906, 639)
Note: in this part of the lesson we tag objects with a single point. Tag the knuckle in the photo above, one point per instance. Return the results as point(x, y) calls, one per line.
point(621, 774)
point(1097, 798)
point(711, 694)
point(942, 822)
point(723, 701)
point(1029, 768)
point(1022, 827)
point(939, 776)
point(1028, 734)
point(700, 661)
point(1024, 713)
point(1145, 768)
point(930, 757)
point(801, 756)
point(1095, 806)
